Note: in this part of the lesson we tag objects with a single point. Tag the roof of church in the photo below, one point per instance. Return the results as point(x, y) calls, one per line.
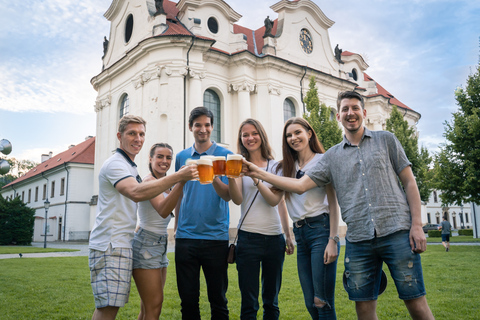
point(383, 92)
point(255, 42)
point(81, 153)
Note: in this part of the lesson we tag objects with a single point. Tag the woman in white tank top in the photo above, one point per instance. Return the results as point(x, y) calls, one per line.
point(261, 244)
point(151, 238)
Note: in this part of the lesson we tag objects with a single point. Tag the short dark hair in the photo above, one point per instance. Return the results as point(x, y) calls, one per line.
point(198, 112)
point(349, 95)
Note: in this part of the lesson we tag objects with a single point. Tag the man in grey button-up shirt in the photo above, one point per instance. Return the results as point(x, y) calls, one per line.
point(384, 221)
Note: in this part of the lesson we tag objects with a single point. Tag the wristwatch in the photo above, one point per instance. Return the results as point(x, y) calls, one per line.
point(336, 238)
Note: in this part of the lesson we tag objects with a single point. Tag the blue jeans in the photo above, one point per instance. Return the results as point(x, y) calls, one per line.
point(211, 256)
point(363, 267)
point(316, 278)
point(253, 251)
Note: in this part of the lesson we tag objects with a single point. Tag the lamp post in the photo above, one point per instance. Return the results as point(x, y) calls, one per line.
point(46, 205)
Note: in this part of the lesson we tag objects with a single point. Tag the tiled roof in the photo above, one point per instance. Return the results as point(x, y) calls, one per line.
point(383, 92)
point(81, 153)
point(347, 53)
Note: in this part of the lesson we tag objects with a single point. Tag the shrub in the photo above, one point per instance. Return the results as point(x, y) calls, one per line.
point(465, 232)
point(434, 233)
point(16, 222)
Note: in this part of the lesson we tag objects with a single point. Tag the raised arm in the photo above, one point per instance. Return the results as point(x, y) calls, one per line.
point(272, 198)
point(221, 189)
point(135, 191)
point(165, 205)
point(331, 252)
point(418, 241)
point(235, 189)
point(288, 184)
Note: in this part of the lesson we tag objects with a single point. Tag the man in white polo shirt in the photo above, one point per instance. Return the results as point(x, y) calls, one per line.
point(110, 258)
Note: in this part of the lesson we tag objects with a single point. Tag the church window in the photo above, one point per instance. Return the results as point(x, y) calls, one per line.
point(212, 25)
point(354, 74)
point(288, 110)
point(124, 106)
point(211, 101)
point(128, 28)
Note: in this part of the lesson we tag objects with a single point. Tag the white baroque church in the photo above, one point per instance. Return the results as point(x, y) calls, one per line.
point(160, 64)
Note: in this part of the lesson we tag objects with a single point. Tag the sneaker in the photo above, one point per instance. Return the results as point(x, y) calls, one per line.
point(447, 249)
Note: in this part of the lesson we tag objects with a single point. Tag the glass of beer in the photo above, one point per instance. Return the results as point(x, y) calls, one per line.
point(234, 165)
point(205, 171)
point(190, 162)
point(219, 165)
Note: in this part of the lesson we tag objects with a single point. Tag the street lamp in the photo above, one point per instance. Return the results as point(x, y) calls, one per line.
point(5, 148)
point(46, 205)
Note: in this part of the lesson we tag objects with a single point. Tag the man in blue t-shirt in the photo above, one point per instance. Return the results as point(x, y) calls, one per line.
point(201, 225)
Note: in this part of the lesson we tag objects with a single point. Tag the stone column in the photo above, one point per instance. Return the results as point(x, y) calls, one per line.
point(244, 89)
point(195, 89)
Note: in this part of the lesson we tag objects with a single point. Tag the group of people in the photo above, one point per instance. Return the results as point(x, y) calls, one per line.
point(363, 171)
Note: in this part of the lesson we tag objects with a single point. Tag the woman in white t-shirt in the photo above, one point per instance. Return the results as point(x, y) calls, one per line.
point(315, 220)
point(261, 244)
point(151, 238)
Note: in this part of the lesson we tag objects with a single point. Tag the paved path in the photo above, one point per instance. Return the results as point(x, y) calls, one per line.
point(83, 249)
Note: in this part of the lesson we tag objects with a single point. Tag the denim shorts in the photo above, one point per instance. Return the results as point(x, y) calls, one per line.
point(446, 237)
point(149, 250)
point(110, 276)
point(363, 267)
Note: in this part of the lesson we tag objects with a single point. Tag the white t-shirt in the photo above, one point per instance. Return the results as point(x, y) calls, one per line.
point(116, 214)
point(149, 219)
point(311, 203)
point(262, 218)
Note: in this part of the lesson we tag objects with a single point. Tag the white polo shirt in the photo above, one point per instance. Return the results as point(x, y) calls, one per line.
point(116, 214)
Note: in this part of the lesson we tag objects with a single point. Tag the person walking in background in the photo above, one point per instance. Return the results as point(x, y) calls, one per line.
point(201, 224)
point(315, 219)
point(110, 258)
point(383, 219)
point(446, 228)
point(151, 237)
point(261, 244)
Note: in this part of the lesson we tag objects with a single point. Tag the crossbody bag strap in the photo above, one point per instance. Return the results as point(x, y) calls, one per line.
point(251, 203)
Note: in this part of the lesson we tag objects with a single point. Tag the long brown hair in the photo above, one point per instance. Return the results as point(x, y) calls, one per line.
point(265, 145)
point(290, 155)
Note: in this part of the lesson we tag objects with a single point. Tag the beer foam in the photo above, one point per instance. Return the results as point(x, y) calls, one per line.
point(190, 162)
point(234, 157)
point(219, 158)
point(208, 157)
point(205, 162)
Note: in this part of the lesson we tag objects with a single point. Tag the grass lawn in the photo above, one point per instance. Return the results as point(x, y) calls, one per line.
point(455, 239)
point(59, 288)
point(22, 249)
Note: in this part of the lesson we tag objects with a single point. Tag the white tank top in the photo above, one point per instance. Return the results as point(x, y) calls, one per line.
point(149, 219)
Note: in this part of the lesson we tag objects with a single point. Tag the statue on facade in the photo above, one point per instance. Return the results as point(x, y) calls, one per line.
point(159, 7)
point(105, 46)
point(268, 27)
point(338, 54)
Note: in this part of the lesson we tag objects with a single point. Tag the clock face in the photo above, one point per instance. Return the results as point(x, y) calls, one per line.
point(306, 41)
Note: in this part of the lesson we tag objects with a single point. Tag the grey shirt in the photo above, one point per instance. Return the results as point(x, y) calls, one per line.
point(446, 227)
point(365, 178)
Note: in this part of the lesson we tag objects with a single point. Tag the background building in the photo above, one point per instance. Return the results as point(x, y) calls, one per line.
point(161, 66)
point(66, 180)
point(460, 217)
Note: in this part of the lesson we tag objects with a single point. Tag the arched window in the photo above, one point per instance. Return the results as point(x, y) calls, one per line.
point(288, 110)
point(211, 101)
point(124, 106)
point(435, 199)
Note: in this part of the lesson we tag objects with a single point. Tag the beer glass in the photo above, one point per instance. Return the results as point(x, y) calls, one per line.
point(190, 162)
point(219, 164)
point(234, 165)
point(205, 171)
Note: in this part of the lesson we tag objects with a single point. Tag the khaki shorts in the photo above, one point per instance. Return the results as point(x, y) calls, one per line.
point(111, 274)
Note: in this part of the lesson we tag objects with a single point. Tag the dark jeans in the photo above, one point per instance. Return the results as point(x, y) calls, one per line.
point(255, 250)
point(316, 278)
point(211, 256)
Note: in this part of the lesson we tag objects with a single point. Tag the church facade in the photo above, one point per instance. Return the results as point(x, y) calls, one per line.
point(162, 64)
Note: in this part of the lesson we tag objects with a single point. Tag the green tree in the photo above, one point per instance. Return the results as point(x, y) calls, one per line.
point(327, 130)
point(457, 165)
point(409, 141)
point(17, 169)
point(16, 222)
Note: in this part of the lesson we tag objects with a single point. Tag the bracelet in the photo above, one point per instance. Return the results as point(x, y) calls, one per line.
point(258, 181)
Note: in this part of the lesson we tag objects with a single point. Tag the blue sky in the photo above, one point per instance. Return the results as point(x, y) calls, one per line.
point(419, 50)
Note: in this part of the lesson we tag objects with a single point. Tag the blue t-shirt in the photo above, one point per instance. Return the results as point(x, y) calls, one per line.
point(203, 214)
